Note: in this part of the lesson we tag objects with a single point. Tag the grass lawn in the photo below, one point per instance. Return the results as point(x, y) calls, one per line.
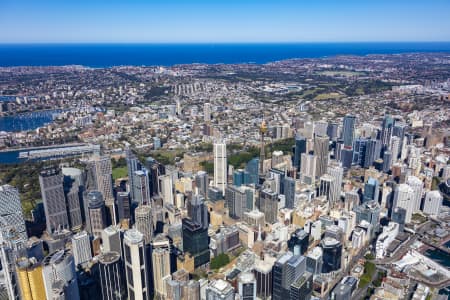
point(327, 96)
point(120, 172)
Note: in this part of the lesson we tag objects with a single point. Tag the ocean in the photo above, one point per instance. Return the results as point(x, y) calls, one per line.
point(107, 55)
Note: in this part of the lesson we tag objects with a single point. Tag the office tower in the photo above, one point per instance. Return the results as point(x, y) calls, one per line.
point(197, 211)
point(111, 239)
point(396, 144)
point(123, 206)
point(155, 170)
point(332, 253)
point(314, 261)
point(111, 275)
point(346, 157)
point(369, 211)
point(278, 178)
point(399, 216)
point(299, 238)
point(29, 273)
point(302, 287)
point(220, 166)
point(136, 266)
point(289, 191)
point(161, 265)
point(321, 144)
point(336, 171)
point(252, 168)
point(386, 131)
point(156, 143)
point(417, 185)
point(247, 286)
point(241, 177)
point(371, 190)
point(404, 198)
point(141, 188)
point(351, 199)
point(286, 270)
point(433, 203)
point(387, 160)
point(166, 188)
point(300, 148)
point(341, 292)
point(238, 200)
point(219, 290)
point(325, 186)
point(10, 245)
point(51, 182)
point(196, 242)
point(103, 178)
point(263, 276)
point(268, 204)
point(81, 248)
point(359, 151)
point(308, 168)
point(73, 189)
point(348, 130)
point(11, 210)
point(201, 182)
point(320, 128)
point(399, 131)
point(133, 165)
point(332, 131)
point(144, 222)
point(96, 216)
point(262, 154)
point(207, 112)
point(369, 158)
point(59, 270)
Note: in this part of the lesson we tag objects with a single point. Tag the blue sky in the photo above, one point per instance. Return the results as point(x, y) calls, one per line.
point(213, 21)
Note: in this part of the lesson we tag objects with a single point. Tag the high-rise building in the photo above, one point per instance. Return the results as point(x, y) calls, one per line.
point(252, 168)
point(207, 112)
point(161, 265)
point(219, 290)
point(59, 270)
point(325, 186)
point(371, 190)
point(286, 270)
point(201, 182)
point(73, 190)
point(332, 131)
point(133, 165)
point(268, 204)
point(136, 266)
point(111, 275)
point(141, 188)
point(166, 188)
point(308, 168)
point(220, 166)
point(386, 131)
point(332, 253)
point(103, 178)
point(336, 171)
point(263, 275)
point(144, 222)
point(299, 238)
point(314, 260)
point(289, 191)
point(417, 185)
point(81, 248)
point(238, 200)
point(196, 242)
point(51, 182)
point(300, 148)
point(348, 130)
point(371, 148)
point(396, 144)
point(197, 211)
point(321, 144)
point(369, 211)
point(123, 206)
point(433, 203)
point(96, 213)
point(387, 161)
point(11, 210)
point(29, 273)
point(302, 287)
point(10, 245)
point(247, 286)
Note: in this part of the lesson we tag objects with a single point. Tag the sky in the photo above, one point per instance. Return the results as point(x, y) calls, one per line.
point(222, 21)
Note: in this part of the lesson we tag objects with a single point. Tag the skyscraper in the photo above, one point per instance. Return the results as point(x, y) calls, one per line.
point(252, 168)
point(51, 182)
point(103, 179)
point(289, 191)
point(332, 253)
point(336, 171)
point(247, 286)
point(111, 239)
point(59, 269)
point(111, 276)
point(321, 154)
point(141, 188)
point(300, 148)
point(386, 131)
point(144, 223)
point(133, 165)
point(166, 188)
point(404, 198)
point(207, 112)
point(417, 185)
point(73, 189)
point(262, 154)
point(220, 166)
point(348, 130)
point(308, 168)
point(123, 205)
point(219, 290)
point(81, 248)
point(201, 182)
point(161, 265)
point(196, 242)
point(96, 213)
point(286, 270)
point(371, 190)
point(11, 210)
point(136, 266)
point(433, 203)
point(268, 204)
point(29, 273)
point(197, 211)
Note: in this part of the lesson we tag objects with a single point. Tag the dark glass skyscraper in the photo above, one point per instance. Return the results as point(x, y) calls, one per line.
point(253, 169)
point(111, 276)
point(289, 191)
point(348, 130)
point(196, 242)
point(332, 253)
point(300, 147)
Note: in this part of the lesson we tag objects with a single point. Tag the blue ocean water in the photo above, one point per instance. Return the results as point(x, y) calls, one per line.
point(107, 55)
point(27, 121)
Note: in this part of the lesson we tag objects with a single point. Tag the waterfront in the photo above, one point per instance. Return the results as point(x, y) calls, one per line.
point(27, 121)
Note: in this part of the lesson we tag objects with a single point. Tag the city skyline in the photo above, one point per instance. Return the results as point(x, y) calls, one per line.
point(222, 21)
